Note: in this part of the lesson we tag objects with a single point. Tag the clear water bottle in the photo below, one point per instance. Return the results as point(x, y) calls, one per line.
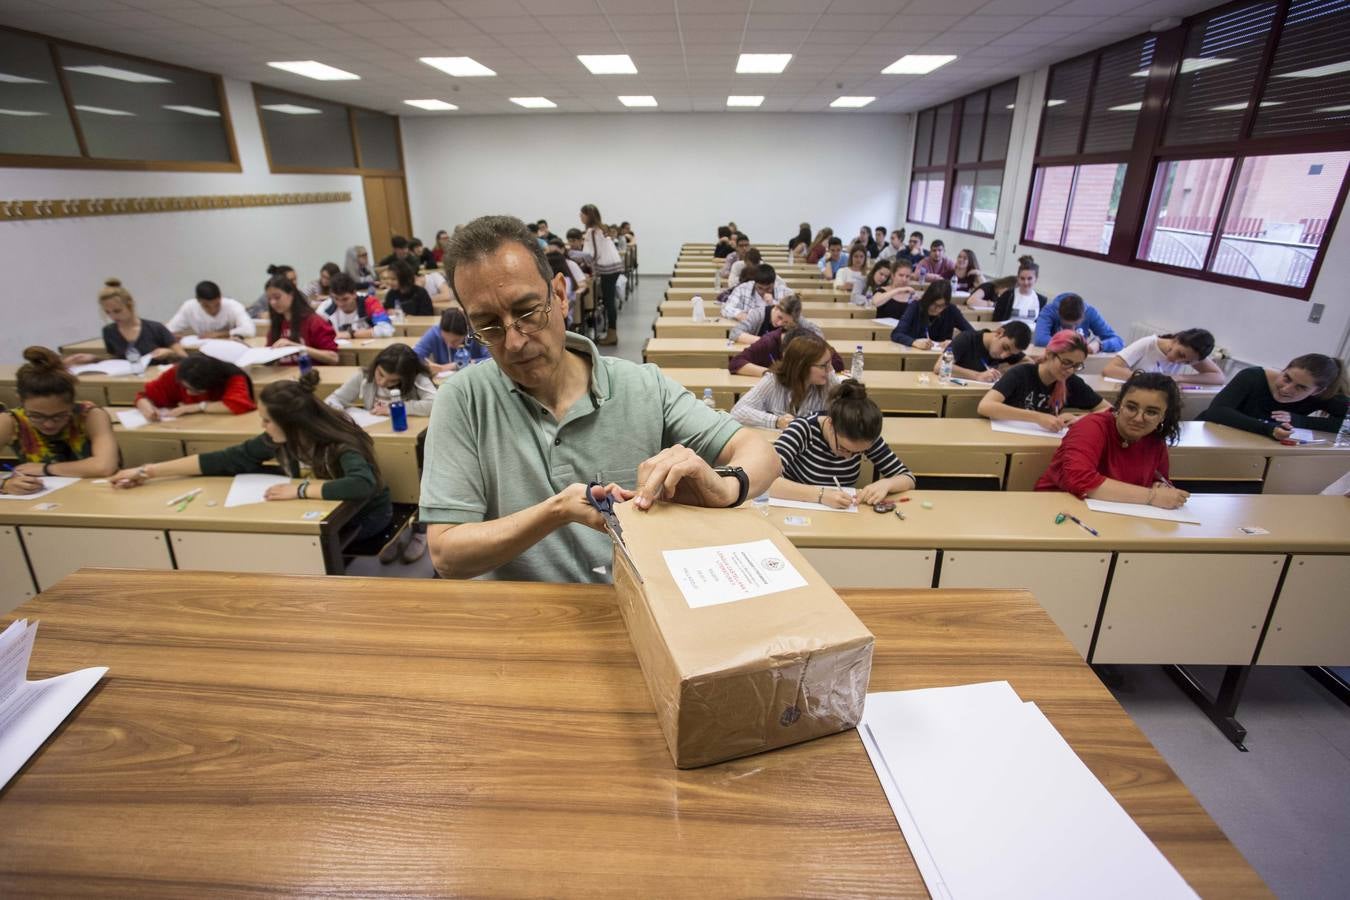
point(945, 367)
point(1343, 436)
point(398, 413)
point(133, 355)
point(708, 399)
point(700, 313)
point(856, 372)
point(306, 364)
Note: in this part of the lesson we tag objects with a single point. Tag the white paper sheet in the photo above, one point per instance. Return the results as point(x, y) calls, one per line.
point(708, 576)
point(1143, 511)
point(1001, 806)
point(243, 355)
point(190, 341)
point(816, 507)
point(1307, 435)
point(132, 419)
point(50, 483)
point(363, 418)
point(250, 488)
point(888, 321)
point(114, 367)
point(1011, 426)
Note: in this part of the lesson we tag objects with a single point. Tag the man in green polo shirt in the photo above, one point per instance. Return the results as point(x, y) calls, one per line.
point(513, 442)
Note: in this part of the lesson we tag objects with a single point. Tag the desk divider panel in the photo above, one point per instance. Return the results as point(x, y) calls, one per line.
point(238, 551)
point(137, 450)
point(1304, 474)
point(55, 552)
point(398, 466)
point(17, 584)
point(1191, 465)
point(1311, 625)
point(1025, 468)
point(846, 567)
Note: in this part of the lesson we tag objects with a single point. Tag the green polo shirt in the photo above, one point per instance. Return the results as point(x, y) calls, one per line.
point(493, 450)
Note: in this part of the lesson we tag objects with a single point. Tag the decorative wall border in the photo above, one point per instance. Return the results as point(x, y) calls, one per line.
point(87, 207)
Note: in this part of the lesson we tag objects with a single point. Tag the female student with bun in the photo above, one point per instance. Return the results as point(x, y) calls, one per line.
point(397, 367)
point(931, 319)
point(986, 355)
point(1183, 355)
point(51, 433)
point(127, 335)
point(1275, 402)
point(295, 323)
point(198, 384)
point(1039, 392)
point(300, 433)
point(797, 386)
point(1121, 455)
point(820, 452)
point(260, 306)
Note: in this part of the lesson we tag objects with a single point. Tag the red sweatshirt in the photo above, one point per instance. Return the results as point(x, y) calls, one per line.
point(1091, 453)
point(315, 333)
point(166, 393)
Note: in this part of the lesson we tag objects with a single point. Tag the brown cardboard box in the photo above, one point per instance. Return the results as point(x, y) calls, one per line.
point(737, 678)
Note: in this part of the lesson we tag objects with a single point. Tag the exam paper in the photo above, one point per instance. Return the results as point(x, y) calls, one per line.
point(888, 321)
point(243, 355)
point(114, 367)
point(191, 341)
point(1306, 435)
point(817, 507)
point(50, 483)
point(1142, 511)
point(363, 418)
point(708, 576)
point(251, 488)
point(1012, 426)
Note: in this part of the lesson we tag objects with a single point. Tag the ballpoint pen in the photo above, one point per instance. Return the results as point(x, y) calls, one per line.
point(186, 495)
point(1077, 521)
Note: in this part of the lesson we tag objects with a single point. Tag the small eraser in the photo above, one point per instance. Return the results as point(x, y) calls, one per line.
point(927, 504)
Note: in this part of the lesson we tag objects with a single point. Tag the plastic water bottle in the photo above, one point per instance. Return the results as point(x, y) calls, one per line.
point(1343, 436)
point(398, 413)
point(856, 371)
point(708, 399)
point(306, 364)
point(945, 367)
point(700, 315)
point(133, 355)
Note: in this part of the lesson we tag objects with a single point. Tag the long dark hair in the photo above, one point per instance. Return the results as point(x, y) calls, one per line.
point(401, 360)
point(202, 374)
point(43, 374)
point(1327, 371)
point(1197, 340)
point(590, 215)
point(300, 309)
point(316, 433)
point(1169, 429)
point(938, 290)
point(853, 414)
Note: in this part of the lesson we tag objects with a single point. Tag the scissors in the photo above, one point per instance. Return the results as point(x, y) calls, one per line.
point(605, 507)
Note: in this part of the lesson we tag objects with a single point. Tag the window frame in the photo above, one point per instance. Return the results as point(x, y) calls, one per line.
point(351, 109)
point(948, 168)
point(1149, 155)
point(84, 160)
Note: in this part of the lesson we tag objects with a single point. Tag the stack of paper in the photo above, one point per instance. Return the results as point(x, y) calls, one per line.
point(1144, 511)
point(994, 803)
point(31, 710)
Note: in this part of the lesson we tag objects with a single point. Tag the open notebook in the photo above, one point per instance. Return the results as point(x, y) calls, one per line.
point(243, 355)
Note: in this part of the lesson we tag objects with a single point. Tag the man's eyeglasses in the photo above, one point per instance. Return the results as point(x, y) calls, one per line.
point(532, 322)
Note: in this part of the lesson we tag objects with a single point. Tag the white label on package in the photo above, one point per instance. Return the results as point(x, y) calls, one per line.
point(708, 576)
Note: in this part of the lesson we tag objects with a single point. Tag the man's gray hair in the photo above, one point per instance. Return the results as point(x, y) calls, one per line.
point(484, 236)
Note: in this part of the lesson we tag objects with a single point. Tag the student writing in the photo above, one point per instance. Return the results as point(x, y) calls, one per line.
point(448, 347)
point(798, 385)
point(1273, 402)
point(931, 319)
point(127, 335)
point(198, 384)
point(1069, 312)
point(397, 367)
point(353, 314)
point(986, 355)
point(209, 315)
point(1183, 355)
point(1039, 392)
point(760, 356)
point(294, 323)
point(407, 295)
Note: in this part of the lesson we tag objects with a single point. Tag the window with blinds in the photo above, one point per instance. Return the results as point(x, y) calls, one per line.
point(306, 134)
point(1308, 89)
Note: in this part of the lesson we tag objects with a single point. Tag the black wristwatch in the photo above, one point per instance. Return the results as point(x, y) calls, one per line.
point(739, 474)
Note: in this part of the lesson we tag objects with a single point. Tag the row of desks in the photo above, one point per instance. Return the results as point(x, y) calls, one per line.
point(351, 352)
point(850, 330)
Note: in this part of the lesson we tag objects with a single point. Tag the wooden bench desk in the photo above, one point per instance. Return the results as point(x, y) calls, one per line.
point(824, 294)
point(714, 353)
point(837, 331)
point(109, 390)
point(289, 735)
point(813, 309)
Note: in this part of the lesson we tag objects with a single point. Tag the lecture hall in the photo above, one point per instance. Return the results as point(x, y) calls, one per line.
point(675, 448)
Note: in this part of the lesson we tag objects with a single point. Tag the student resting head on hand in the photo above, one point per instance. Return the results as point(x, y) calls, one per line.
point(198, 384)
point(1184, 355)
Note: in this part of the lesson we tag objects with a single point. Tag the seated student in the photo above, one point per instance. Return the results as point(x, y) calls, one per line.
point(785, 313)
point(1121, 455)
point(128, 336)
point(936, 266)
point(261, 306)
point(878, 241)
point(397, 367)
point(798, 385)
point(198, 384)
point(820, 452)
point(833, 260)
point(986, 355)
point(419, 252)
point(576, 250)
point(575, 274)
point(760, 356)
point(402, 253)
point(986, 294)
point(1019, 302)
point(352, 314)
point(893, 246)
point(357, 265)
point(407, 296)
point(886, 289)
point(1274, 402)
point(855, 272)
point(913, 252)
point(299, 433)
point(867, 242)
point(747, 301)
point(210, 315)
point(752, 258)
point(931, 319)
point(295, 324)
point(319, 289)
point(1068, 312)
point(448, 348)
point(51, 433)
point(742, 245)
point(438, 251)
point(967, 271)
point(801, 239)
point(723, 248)
point(437, 288)
point(1038, 392)
point(1184, 355)
point(820, 246)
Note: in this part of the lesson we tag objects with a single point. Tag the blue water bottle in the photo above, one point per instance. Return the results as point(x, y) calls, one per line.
point(305, 362)
point(398, 413)
point(462, 358)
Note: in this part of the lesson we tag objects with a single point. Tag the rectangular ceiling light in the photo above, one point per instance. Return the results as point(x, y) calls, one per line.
point(609, 64)
point(762, 63)
point(21, 112)
point(745, 100)
point(917, 64)
point(851, 102)
point(104, 111)
point(7, 78)
point(642, 100)
point(1238, 107)
point(432, 105)
point(1335, 68)
point(534, 102)
point(195, 111)
point(119, 74)
point(318, 71)
point(1128, 107)
point(458, 66)
point(291, 109)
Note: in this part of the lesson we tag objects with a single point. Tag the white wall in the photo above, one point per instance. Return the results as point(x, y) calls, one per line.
point(1253, 325)
point(56, 267)
point(674, 177)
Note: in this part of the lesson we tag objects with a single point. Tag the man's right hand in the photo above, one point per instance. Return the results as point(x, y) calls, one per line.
point(573, 506)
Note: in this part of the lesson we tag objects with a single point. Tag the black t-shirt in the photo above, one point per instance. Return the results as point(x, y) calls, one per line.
point(153, 336)
point(417, 303)
point(968, 349)
point(722, 251)
point(1022, 387)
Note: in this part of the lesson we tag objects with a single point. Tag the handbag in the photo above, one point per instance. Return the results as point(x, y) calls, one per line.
point(604, 252)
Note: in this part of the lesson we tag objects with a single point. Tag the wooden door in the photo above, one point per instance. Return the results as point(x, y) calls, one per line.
point(387, 210)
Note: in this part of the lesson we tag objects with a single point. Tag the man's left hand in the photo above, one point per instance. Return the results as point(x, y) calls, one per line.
point(680, 475)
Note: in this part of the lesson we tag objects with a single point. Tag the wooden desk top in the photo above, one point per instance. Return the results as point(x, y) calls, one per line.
point(85, 504)
point(246, 425)
point(330, 377)
point(839, 330)
point(716, 345)
point(812, 308)
point(295, 735)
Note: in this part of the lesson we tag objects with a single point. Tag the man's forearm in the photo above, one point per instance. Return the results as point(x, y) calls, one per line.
point(464, 551)
point(756, 456)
